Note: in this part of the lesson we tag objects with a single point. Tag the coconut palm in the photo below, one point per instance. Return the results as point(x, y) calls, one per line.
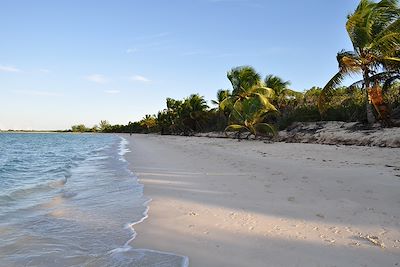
point(221, 113)
point(277, 84)
point(282, 94)
point(148, 122)
point(248, 116)
point(193, 111)
point(246, 83)
point(104, 126)
point(374, 30)
point(222, 94)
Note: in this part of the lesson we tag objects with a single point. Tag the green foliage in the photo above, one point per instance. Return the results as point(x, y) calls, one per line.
point(246, 83)
point(182, 116)
point(221, 95)
point(104, 126)
point(374, 30)
point(149, 122)
point(80, 128)
point(221, 113)
point(248, 116)
point(249, 103)
point(346, 105)
point(254, 107)
point(243, 79)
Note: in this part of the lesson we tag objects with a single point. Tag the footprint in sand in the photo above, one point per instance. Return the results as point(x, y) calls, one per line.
point(291, 199)
point(356, 244)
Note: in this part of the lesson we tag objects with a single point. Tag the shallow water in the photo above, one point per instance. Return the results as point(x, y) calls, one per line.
point(70, 200)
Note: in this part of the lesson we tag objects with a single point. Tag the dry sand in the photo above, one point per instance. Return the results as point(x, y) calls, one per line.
point(227, 203)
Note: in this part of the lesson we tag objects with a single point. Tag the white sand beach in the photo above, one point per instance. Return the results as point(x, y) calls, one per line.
point(227, 203)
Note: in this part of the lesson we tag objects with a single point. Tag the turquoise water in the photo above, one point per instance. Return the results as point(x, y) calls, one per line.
point(70, 200)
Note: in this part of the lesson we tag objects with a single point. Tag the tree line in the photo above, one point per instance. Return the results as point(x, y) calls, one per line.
point(261, 106)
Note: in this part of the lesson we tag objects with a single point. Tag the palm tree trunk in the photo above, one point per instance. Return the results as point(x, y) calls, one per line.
point(370, 113)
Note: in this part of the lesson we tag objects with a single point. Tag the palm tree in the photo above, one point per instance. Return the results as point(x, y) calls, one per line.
point(222, 94)
point(221, 112)
point(104, 126)
point(173, 114)
point(148, 122)
point(249, 102)
point(193, 111)
point(246, 83)
point(248, 116)
point(374, 30)
point(276, 83)
point(282, 94)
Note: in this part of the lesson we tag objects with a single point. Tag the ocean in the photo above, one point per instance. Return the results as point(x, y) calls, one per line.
point(71, 200)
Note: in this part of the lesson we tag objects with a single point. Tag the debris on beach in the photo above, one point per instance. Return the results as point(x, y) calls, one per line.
point(373, 239)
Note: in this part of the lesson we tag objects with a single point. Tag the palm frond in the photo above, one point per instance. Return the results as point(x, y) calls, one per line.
point(391, 63)
point(266, 105)
point(388, 82)
point(227, 103)
point(356, 85)
point(267, 92)
point(276, 83)
point(243, 78)
point(394, 59)
point(349, 62)
point(265, 128)
point(235, 128)
point(389, 42)
point(327, 91)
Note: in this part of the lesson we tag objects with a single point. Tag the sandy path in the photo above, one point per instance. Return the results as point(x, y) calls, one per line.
point(228, 203)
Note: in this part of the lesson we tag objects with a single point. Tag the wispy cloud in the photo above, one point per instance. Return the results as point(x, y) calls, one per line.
point(112, 92)
point(9, 69)
point(139, 78)
point(37, 93)
point(131, 50)
point(224, 55)
point(153, 36)
point(97, 78)
point(44, 71)
point(194, 53)
point(154, 45)
point(158, 41)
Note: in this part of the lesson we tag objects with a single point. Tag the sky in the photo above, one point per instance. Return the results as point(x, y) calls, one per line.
point(68, 62)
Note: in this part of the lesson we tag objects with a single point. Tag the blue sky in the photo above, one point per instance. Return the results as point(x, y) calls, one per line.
point(69, 62)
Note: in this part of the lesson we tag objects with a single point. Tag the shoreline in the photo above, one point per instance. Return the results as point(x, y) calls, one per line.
point(224, 203)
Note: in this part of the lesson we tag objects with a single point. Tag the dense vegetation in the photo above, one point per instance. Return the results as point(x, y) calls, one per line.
point(374, 30)
point(281, 108)
point(257, 106)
